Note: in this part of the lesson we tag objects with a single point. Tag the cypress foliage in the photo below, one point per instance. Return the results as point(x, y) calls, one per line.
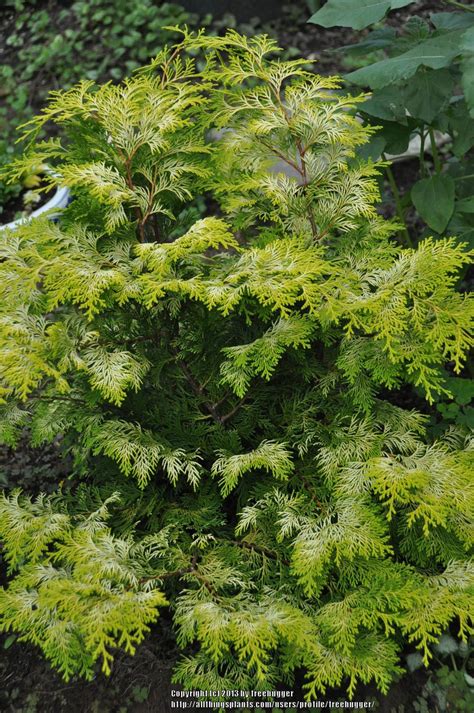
point(221, 383)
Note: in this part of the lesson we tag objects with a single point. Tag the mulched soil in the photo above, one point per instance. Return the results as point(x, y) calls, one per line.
point(141, 683)
point(15, 208)
point(137, 684)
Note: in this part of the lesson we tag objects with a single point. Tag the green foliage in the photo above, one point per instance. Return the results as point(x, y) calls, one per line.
point(79, 592)
point(235, 379)
point(93, 39)
point(449, 687)
point(355, 14)
point(450, 691)
point(47, 46)
point(422, 83)
point(459, 409)
point(433, 198)
point(421, 89)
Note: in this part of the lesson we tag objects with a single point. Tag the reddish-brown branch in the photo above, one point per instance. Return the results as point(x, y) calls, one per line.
point(166, 575)
point(284, 158)
point(53, 399)
point(127, 162)
point(206, 582)
point(222, 400)
point(236, 408)
point(311, 492)
point(312, 221)
point(192, 569)
point(198, 575)
point(260, 550)
point(149, 209)
point(301, 170)
point(197, 387)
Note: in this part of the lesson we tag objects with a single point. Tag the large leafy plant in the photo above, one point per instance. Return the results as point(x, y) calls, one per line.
point(228, 386)
point(422, 85)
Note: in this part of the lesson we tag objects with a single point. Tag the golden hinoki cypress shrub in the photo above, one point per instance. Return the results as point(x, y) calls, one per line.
point(228, 385)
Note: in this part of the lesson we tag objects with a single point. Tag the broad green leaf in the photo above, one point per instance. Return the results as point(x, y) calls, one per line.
point(416, 29)
point(461, 389)
point(462, 173)
point(461, 124)
point(434, 200)
point(397, 137)
point(467, 67)
point(375, 40)
point(414, 661)
point(465, 205)
point(467, 43)
point(386, 103)
point(447, 644)
point(428, 92)
point(355, 13)
point(468, 82)
point(466, 418)
point(463, 142)
point(437, 52)
point(372, 150)
point(462, 226)
point(452, 20)
point(442, 117)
